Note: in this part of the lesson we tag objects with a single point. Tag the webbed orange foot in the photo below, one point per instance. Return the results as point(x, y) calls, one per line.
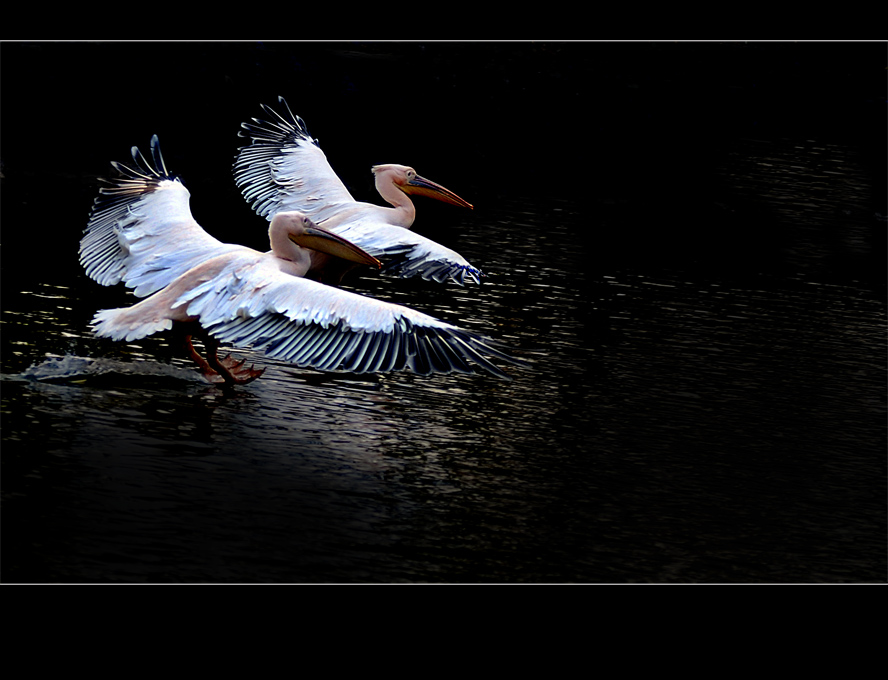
point(235, 371)
point(212, 376)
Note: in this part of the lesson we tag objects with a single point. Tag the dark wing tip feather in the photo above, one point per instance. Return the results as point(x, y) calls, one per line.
point(142, 171)
point(421, 349)
point(100, 252)
point(133, 180)
point(280, 130)
point(253, 162)
point(400, 263)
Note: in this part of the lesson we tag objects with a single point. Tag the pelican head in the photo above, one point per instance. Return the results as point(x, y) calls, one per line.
point(302, 231)
point(406, 179)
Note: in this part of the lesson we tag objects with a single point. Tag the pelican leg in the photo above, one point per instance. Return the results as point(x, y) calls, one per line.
point(232, 371)
point(209, 374)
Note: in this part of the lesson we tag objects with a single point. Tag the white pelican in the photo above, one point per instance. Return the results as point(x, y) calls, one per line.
point(283, 168)
point(141, 231)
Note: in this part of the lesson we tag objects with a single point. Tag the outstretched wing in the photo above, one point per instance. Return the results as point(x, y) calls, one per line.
point(284, 169)
point(306, 323)
point(141, 230)
point(405, 253)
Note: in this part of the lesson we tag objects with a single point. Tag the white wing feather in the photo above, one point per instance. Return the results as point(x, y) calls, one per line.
point(284, 169)
point(141, 230)
point(242, 298)
point(405, 253)
point(309, 324)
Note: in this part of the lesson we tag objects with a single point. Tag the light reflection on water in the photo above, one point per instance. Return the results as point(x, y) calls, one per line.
point(677, 423)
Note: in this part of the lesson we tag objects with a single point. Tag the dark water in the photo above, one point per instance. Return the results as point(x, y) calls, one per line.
point(705, 318)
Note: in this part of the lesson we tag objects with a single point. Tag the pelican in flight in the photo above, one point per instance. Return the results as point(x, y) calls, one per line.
point(284, 169)
point(141, 232)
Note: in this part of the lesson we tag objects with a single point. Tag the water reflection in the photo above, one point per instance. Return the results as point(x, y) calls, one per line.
point(680, 421)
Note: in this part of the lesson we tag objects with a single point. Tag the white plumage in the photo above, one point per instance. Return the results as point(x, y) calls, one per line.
point(284, 169)
point(141, 232)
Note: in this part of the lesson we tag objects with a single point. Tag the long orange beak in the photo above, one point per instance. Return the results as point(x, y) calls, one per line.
point(325, 241)
point(426, 187)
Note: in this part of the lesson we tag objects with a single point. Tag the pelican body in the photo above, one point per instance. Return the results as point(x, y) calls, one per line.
point(294, 238)
point(141, 232)
point(283, 169)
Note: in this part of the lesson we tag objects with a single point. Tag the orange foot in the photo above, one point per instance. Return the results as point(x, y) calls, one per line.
point(238, 373)
point(212, 377)
point(231, 371)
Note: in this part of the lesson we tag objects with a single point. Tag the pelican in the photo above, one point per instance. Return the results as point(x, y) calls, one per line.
point(283, 168)
point(141, 232)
